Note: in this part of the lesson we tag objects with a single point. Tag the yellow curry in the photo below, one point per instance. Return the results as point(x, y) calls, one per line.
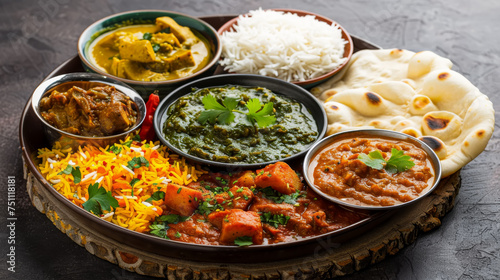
point(159, 52)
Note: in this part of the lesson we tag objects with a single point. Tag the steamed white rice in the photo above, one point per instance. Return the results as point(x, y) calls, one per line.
point(282, 45)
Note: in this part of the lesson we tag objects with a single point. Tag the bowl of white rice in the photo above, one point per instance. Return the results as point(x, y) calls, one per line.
point(296, 46)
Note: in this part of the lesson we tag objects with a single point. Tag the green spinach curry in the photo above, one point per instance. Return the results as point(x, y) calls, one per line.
point(240, 137)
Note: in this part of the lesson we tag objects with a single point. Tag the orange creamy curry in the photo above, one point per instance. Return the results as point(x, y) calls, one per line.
point(338, 172)
point(268, 206)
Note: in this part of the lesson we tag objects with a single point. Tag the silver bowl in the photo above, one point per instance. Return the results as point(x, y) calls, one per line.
point(83, 80)
point(389, 134)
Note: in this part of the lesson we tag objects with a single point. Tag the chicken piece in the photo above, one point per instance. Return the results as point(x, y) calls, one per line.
point(240, 224)
point(137, 50)
point(184, 34)
point(215, 218)
point(247, 179)
point(279, 176)
point(235, 198)
point(114, 118)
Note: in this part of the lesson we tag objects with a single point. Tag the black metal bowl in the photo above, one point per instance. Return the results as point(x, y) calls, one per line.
point(277, 86)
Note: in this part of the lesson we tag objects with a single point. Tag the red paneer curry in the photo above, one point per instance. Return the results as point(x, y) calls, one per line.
point(267, 206)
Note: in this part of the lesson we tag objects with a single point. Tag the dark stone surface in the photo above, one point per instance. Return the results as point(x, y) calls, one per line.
point(37, 36)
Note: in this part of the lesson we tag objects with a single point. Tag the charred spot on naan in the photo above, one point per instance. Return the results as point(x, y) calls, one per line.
point(436, 123)
point(442, 124)
point(443, 76)
point(436, 145)
point(373, 98)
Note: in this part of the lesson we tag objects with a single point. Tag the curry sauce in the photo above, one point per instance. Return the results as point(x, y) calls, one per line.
point(151, 52)
point(338, 172)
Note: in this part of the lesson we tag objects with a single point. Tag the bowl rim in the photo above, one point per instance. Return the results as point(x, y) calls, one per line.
point(47, 85)
point(349, 46)
point(159, 118)
point(391, 134)
point(82, 43)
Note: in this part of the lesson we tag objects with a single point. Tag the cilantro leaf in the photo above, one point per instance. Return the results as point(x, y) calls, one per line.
point(216, 112)
point(147, 36)
point(99, 200)
point(261, 115)
point(75, 171)
point(374, 159)
point(127, 143)
point(77, 175)
point(115, 149)
point(398, 162)
point(243, 241)
point(230, 103)
point(67, 170)
point(132, 183)
point(274, 220)
point(158, 195)
point(156, 47)
point(172, 218)
point(137, 162)
point(211, 103)
point(136, 138)
point(278, 197)
point(159, 229)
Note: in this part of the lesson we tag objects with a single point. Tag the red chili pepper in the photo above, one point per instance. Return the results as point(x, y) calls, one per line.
point(147, 129)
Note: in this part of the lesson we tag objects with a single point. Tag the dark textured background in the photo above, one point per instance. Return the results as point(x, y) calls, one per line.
point(37, 36)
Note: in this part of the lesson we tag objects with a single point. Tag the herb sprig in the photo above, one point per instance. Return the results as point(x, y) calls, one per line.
point(274, 220)
point(243, 241)
point(99, 200)
point(398, 162)
point(259, 113)
point(278, 197)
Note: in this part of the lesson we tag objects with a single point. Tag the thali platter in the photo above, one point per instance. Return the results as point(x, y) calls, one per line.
point(336, 253)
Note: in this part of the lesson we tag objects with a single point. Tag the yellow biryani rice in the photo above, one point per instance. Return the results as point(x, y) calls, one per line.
point(100, 165)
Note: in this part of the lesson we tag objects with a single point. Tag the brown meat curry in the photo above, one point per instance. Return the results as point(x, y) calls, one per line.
point(98, 111)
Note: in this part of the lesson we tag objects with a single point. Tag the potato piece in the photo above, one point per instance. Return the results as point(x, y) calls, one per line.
point(182, 199)
point(184, 34)
point(279, 176)
point(240, 224)
point(140, 50)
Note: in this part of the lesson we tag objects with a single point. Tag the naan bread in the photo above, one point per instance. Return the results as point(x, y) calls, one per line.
point(414, 93)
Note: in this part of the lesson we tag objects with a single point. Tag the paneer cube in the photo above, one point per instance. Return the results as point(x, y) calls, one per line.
point(181, 59)
point(182, 199)
point(162, 38)
point(139, 50)
point(182, 33)
point(279, 176)
point(239, 224)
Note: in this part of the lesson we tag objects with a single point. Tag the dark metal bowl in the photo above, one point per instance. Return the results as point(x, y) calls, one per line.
point(389, 134)
point(148, 16)
point(84, 80)
point(275, 85)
